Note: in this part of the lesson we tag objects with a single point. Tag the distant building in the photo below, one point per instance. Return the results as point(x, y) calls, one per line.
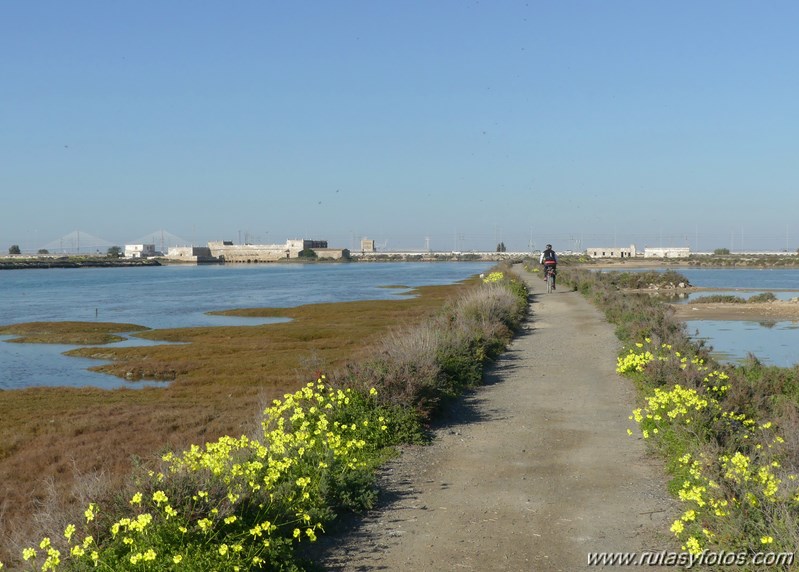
point(367, 245)
point(612, 252)
point(139, 250)
point(253, 253)
point(197, 254)
point(667, 252)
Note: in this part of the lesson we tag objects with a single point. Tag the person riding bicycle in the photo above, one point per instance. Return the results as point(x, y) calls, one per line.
point(549, 260)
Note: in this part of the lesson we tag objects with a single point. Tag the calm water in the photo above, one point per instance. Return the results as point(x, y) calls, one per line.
point(180, 296)
point(774, 343)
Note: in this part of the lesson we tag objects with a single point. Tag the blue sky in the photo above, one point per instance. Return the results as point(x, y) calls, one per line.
point(450, 124)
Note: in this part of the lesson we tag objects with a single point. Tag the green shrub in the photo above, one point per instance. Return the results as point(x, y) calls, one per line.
point(423, 365)
point(718, 299)
point(762, 297)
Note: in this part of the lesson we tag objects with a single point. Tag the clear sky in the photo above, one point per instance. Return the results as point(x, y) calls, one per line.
point(440, 123)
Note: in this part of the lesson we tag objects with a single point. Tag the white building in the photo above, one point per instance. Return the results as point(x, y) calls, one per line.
point(667, 252)
point(612, 252)
point(139, 250)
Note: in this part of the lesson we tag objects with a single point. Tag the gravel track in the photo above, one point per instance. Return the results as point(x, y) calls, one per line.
point(532, 471)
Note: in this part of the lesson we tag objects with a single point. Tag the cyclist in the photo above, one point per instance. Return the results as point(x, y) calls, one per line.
point(549, 260)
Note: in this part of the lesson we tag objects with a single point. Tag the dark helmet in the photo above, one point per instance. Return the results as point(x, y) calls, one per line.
point(549, 246)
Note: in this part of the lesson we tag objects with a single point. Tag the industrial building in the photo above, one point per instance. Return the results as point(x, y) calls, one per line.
point(227, 251)
point(631, 252)
point(196, 254)
point(612, 252)
point(667, 252)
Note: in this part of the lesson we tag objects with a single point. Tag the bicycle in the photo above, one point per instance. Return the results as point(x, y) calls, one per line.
point(549, 274)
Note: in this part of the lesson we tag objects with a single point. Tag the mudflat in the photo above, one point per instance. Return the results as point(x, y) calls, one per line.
point(532, 471)
point(760, 311)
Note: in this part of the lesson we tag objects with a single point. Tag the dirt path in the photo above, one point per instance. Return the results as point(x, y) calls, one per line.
point(530, 472)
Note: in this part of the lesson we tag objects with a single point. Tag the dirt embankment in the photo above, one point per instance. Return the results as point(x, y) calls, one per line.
point(533, 471)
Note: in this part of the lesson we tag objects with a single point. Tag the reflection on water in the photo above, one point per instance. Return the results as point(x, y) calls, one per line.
point(44, 365)
point(773, 343)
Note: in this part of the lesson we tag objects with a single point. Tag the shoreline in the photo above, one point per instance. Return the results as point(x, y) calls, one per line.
point(75, 262)
point(777, 310)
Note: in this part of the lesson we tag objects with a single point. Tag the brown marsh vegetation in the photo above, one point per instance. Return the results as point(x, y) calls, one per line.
point(78, 333)
point(53, 441)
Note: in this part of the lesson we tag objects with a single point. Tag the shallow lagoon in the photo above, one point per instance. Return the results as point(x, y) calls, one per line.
point(180, 296)
point(773, 343)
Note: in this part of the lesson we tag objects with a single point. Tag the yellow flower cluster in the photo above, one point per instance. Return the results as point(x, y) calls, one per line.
point(637, 357)
point(748, 486)
point(633, 361)
point(494, 277)
point(704, 497)
point(665, 408)
point(277, 481)
point(739, 469)
point(715, 381)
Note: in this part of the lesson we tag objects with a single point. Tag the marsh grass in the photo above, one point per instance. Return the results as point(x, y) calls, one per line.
point(732, 299)
point(416, 351)
point(647, 279)
point(219, 376)
point(743, 261)
point(718, 299)
point(72, 333)
point(762, 297)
